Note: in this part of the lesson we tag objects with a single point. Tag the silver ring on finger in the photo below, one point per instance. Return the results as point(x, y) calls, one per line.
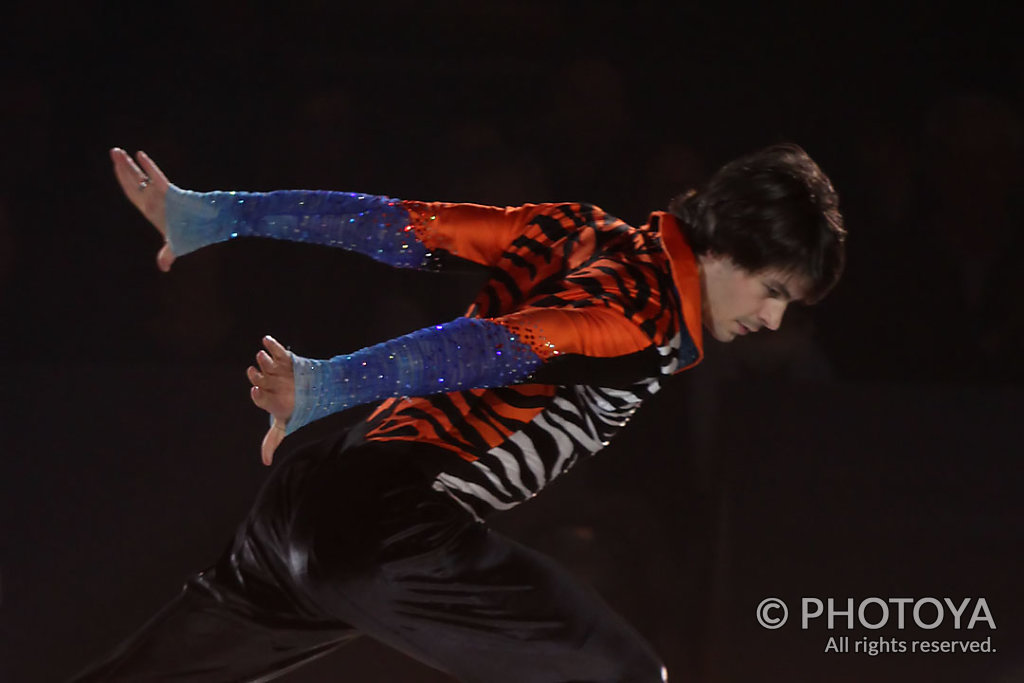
point(144, 183)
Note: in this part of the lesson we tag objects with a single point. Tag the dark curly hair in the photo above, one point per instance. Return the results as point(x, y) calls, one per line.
point(771, 209)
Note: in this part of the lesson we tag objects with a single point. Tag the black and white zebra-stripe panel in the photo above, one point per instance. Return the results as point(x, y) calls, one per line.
point(579, 422)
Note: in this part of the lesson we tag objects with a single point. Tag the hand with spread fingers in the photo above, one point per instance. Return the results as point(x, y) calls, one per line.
point(145, 185)
point(273, 390)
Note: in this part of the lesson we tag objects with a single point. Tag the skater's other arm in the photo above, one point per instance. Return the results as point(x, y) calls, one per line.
point(466, 353)
point(399, 233)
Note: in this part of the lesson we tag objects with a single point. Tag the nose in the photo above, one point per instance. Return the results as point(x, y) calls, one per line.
point(771, 313)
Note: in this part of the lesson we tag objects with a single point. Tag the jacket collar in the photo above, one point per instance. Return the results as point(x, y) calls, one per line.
point(685, 275)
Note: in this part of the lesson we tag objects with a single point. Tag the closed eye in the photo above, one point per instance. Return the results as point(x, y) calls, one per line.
point(777, 291)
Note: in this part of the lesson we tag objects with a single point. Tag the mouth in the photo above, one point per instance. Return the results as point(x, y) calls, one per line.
point(744, 329)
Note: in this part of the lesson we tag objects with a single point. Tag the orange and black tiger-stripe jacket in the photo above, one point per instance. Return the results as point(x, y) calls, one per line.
point(611, 309)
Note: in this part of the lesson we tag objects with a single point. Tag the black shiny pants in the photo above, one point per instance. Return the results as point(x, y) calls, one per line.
point(348, 542)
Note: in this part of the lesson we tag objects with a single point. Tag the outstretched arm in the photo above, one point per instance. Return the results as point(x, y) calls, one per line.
point(400, 233)
point(378, 227)
point(467, 353)
point(463, 354)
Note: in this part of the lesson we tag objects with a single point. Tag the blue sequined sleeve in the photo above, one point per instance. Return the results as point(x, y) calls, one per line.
point(463, 354)
point(378, 227)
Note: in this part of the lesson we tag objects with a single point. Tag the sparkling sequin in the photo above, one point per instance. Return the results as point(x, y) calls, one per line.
point(423, 223)
point(465, 353)
point(378, 227)
point(534, 338)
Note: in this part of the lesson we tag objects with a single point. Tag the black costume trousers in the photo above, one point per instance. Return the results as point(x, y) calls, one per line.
point(344, 541)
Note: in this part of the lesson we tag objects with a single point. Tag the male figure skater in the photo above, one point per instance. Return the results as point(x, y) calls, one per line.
point(382, 530)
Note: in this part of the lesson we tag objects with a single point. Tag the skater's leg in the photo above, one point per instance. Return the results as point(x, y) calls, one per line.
point(236, 621)
point(411, 568)
point(211, 634)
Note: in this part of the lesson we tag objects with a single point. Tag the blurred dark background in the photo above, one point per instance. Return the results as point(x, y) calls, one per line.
point(869, 448)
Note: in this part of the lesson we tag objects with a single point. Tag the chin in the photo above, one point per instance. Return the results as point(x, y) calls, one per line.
point(722, 335)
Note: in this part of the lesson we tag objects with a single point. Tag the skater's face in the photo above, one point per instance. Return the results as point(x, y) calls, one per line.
point(737, 302)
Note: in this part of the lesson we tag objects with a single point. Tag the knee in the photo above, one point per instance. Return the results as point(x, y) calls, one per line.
point(644, 669)
point(653, 672)
point(641, 667)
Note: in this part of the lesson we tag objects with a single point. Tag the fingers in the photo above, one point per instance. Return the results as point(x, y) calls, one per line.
point(271, 373)
point(269, 401)
point(151, 169)
point(132, 172)
point(263, 391)
point(261, 397)
point(273, 391)
point(273, 381)
point(278, 352)
point(276, 360)
point(256, 378)
point(122, 160)
point(129, 175)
